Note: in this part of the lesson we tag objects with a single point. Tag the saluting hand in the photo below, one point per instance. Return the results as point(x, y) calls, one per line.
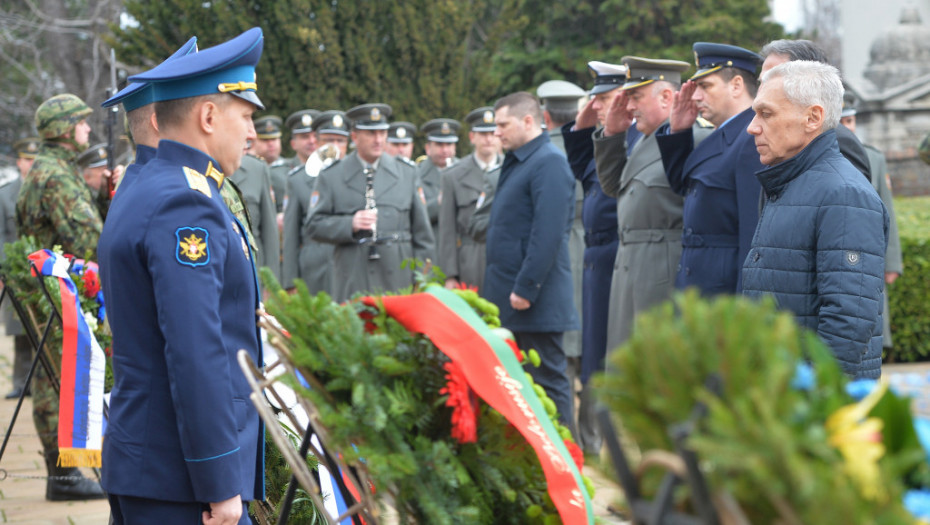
point(587, 117)
point(225, 512)
point(619, 118)
point(684, 110)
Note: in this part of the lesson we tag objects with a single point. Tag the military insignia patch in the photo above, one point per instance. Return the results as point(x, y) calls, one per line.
point(421, 194)
point(314, 198)
point(337, 121)
point(401, 133)
point(852, 258)
point(480, 200)
point(192, 248)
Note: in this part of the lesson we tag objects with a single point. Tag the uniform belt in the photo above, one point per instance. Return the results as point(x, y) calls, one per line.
point(717, 240)
point(639, 236)
point(600, 238)
point(387, 238)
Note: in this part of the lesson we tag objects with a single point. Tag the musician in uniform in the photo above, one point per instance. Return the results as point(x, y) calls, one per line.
point(371, 207)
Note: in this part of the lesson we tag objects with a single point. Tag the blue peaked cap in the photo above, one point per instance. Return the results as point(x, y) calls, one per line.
point(710, 58)
point(225, 68)
point(138, 94)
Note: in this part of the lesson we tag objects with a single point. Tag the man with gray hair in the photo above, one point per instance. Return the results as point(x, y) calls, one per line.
point(819, 249)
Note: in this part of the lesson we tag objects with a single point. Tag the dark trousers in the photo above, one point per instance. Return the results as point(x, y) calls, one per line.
point(130, 510)
point(551, 374)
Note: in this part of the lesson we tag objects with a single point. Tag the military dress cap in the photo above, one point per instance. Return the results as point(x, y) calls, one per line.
point(401, 132)
point(332, 122)
point(369, 116)
point(849, 107)
point(267, 127)
point(94, 157)
point(481, 120)
point(138, 94)
point(26, 148)
point(441, 130)
point(607, 77)
point(301, 121)
point(225, 68)
point(710, 58)
point(559, 94)
point(642, 71)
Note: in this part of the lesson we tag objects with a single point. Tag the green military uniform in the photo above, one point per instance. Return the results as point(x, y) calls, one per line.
point(437, 130)
point(481, 218)
point(56, 207)
point(461, 256)
point(403, 228)
point(254, 182)
point(305, 258)
point(893, 263)
point(278, 172)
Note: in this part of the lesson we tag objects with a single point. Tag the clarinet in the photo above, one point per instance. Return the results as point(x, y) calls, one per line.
point(370, 204)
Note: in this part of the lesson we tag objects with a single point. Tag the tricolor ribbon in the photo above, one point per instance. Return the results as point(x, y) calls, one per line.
point(80, 410)
point(493, 372)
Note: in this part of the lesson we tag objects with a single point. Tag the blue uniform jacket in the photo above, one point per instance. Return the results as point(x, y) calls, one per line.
point(181, 297)
point(820, 252)
point(143, 155)
point(599, 216)
point(527, 240)
point(717, 179)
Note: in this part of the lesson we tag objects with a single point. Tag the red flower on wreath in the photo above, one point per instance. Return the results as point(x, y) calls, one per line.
point(91, 283)
point(575, 453)
point(463, 403)
point(466, 286)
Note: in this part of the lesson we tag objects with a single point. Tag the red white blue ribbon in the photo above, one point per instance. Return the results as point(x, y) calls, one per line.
point(83, 368)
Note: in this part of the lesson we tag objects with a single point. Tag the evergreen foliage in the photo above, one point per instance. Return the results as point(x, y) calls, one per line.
point(377, 389)
point(429, 59)
point(765, 439)
point(907, 297)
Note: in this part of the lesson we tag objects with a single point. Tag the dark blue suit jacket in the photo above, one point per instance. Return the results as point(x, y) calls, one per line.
point(717, 179)
point(181, 297)
point(527, 240)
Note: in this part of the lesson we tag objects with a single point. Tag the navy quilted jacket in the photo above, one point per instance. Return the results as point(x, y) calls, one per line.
point(819, 250)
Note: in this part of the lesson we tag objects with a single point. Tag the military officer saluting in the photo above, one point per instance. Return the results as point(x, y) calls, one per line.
point(184, 444)
point(442, 134)
point(304, 258)
point(460, 256)
point(371, 207)
point(400, 139)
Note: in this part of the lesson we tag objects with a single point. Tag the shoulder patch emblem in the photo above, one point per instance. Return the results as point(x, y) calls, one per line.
point(192, 248)
point(481, 197)
point(197, 181)
point(421, 194)
point(314, 198)
point(852, 258)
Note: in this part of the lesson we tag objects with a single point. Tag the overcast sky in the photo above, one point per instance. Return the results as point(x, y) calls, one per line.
point(787, 13)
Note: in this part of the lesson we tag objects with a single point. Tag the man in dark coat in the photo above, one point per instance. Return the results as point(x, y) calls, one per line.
point(716, 176)
point(819, 249)
point(528, 272)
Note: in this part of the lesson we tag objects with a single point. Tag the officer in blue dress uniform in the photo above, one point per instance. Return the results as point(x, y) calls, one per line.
point(184, 444)
point(717, 176)
point(138, 102)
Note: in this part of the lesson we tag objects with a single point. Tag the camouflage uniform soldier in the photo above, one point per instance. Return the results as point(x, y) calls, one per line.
point(57, 208)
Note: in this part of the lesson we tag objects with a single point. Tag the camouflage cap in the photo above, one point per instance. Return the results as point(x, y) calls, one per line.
point(57, 115)
point(923, 150)
point(26, 148)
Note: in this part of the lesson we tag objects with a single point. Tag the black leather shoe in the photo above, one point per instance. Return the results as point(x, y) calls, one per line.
point(68, 484)
point(13, 394)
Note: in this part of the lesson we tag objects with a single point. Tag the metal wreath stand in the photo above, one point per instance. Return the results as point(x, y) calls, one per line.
point(363, 509)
